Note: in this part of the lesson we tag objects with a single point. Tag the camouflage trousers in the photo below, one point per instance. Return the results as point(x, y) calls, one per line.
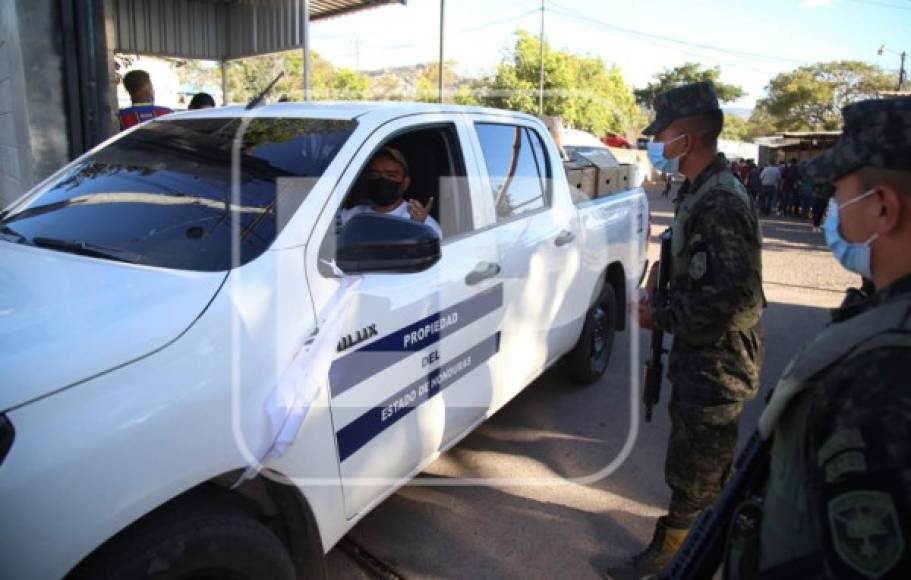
point(699, 456)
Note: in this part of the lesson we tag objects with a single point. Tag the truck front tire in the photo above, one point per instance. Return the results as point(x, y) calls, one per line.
point(588, 360)
point(196, 542)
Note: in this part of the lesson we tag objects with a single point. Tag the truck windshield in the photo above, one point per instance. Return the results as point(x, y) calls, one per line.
point(161, 195)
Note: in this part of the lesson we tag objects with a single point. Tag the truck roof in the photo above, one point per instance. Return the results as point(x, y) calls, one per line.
point(341, 110)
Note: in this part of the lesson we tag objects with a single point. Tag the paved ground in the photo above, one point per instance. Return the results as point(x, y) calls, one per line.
point(556, 431)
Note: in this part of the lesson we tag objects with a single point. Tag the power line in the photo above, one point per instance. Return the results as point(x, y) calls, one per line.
point(501, 21)
point(881, 4)
point(469, 30)
point(646, 37)
point(494, 10)
point(567, 12)
point(745, 54)
point(678, 49)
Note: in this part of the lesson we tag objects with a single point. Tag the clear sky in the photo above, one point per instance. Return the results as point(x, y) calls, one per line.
point(751, 41)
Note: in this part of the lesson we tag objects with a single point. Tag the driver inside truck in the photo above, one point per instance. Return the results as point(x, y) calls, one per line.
point(387, 181)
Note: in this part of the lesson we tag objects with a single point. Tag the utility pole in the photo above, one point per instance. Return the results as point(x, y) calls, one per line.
point(442, 38)
point(541, 71)
point(305, 31)
point(901, 72)
point(224, 83)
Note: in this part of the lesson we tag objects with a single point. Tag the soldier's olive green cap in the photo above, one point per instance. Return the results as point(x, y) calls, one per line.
point(877, 133)
point(683, 101)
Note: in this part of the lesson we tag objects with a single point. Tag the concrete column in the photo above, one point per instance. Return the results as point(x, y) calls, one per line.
point(305, 32)
point(224, 83)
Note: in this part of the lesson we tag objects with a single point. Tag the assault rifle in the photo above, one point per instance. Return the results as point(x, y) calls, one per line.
point(654, 369)
point(704, 549)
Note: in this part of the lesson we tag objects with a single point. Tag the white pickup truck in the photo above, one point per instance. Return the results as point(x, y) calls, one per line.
point(154, 293)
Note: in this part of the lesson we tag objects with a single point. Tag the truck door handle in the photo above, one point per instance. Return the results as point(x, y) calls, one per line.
point(564, 238)
point(481, 273)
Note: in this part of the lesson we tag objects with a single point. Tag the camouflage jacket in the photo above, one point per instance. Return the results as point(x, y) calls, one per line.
point(716, 291)
point(838, 501)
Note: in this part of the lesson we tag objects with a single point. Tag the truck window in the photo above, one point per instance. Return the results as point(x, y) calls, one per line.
point(436, 169)
point(161, 195)
point(517, 167)
point(585, 155)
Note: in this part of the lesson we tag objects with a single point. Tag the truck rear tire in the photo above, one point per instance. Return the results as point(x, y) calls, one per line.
point(195, 542)
point(588, 360)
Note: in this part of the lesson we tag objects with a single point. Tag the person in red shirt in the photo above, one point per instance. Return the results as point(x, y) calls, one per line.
point(142, 93)
point(746, 167)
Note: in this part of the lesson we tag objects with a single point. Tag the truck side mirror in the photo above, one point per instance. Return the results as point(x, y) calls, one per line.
point(372, 242)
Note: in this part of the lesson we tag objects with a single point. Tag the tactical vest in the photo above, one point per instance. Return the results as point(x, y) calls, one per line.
point(722, 183)
point(789, 531)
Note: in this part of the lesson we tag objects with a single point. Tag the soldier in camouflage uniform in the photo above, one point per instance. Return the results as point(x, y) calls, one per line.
point(713, 312)
point(837, 503)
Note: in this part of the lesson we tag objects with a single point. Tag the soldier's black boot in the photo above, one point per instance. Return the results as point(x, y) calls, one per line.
point(655, 558)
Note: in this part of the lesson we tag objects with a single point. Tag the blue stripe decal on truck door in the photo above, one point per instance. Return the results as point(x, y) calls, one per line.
point(362, 430)
point(367, 361)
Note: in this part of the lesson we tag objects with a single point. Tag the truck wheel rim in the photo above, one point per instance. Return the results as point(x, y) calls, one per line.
point(600, 330)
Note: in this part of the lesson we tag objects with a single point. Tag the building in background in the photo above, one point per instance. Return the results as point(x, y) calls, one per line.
point(800, 145)
point(738, 149)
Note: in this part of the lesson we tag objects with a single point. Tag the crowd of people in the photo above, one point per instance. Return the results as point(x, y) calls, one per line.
point(780, 189)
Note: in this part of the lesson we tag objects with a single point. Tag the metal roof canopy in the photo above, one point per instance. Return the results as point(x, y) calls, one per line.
point(220, 29)
point(811, 134)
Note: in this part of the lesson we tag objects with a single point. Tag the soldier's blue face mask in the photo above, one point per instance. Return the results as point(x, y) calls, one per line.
point(854, 257)
point(659, 161)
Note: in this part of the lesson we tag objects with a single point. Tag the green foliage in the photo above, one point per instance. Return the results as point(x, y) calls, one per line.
point(467, 94)
point(686, 73)
point(746, 130)
point(584, 91)
point(811, 97)
point(427, 83)
point(350, 85)
point(249, 76)
point(736, 129)
point(761, 124)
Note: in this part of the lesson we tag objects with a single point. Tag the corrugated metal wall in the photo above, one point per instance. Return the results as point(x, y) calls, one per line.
point(179, 28)
point(218, 29)
point(257, 27)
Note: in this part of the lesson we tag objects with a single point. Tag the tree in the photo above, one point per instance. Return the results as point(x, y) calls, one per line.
point(582, 90)
point(249, 76)
point(349, 85)
point(811, 97)
point(736, 129)
point(747, 130)
point(427, 82)
point(686, 73)
point(761, 124)
point(466, 93)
